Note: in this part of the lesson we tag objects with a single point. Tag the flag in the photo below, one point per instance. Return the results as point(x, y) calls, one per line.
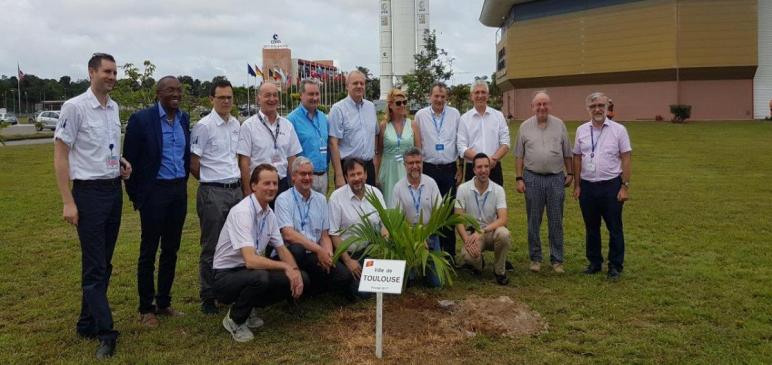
point(258, 72)
point(270, 74)
point(21, 74)
point(251, 71)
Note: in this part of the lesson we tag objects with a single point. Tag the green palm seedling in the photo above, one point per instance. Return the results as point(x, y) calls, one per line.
point(406, 241)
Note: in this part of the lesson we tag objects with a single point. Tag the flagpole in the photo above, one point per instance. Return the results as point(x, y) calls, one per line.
point(18, 86)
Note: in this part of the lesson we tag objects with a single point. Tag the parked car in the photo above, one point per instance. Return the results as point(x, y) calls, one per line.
point(47, 119)
point(8, 118)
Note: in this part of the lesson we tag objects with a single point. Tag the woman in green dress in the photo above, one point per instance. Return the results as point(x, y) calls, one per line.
point(394, 138)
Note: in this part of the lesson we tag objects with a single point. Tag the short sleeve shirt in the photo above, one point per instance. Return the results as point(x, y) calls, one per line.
point(439, 134)
point(256, 140)
point(416, 203)
point(214, 141)
point(345, 208)
point(484, 207)
point(543, 150)
point(355, 126)
point(605, 162)
point(484, 132)
point(247, 225)
point(307, 216)
point(312, 134)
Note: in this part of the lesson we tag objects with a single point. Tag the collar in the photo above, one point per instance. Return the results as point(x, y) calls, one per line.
point(487, 111)
point(606, 123)
point(432, 112)
point(94, 102)
point(310, 194)
point(474, 186)
point(217, 118)
point(262, 211)
point(305, 111)
point(354, 103)
point(421, 182)
point(162, 112)
point(268, 121)
point(351, 195)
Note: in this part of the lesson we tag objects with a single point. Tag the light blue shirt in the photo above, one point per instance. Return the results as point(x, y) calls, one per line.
point(355, 126)
point(312, 134)
point(308, 217)
point(173, 149)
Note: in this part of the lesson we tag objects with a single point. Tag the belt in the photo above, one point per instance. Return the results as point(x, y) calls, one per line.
point(540, 174)
point(232, 269)
point(320, 173)
point(441, 166)
point(97, 182)
point(170, 181)
point(603, 182)
point(232, 185)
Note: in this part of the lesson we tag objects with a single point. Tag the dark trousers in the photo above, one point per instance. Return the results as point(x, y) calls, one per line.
point(496, 174)
point(599, 200)
point(99, 219)
point(212, 205)
point(284, 185)
point(161, 218)
point(245, 289)
point(337, 280)
point(445, 176)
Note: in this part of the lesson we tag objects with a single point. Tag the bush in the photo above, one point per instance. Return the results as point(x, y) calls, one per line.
point(681, 112)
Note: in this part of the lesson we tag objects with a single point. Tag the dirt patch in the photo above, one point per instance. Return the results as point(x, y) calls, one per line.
point(417, 328)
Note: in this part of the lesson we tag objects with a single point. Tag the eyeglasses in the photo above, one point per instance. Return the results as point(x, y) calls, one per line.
point(596, 106)
point(400, 102)
point(478, 78)
point(224, 98)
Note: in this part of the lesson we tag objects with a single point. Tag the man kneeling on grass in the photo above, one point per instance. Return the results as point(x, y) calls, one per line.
point(244, 276)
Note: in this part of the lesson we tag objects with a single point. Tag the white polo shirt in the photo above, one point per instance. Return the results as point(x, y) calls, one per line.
point(439, 134)
point(345, 209)
point(416, 202)
point(93, 134)
point(484, 132)
point(483, 206)
point(247, 225)
point(256, 140)
point(214, 141)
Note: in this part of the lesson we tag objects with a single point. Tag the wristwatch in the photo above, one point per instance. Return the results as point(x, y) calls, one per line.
point(519, 178)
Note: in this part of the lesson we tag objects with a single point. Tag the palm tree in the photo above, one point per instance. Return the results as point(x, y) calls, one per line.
point(406, 241)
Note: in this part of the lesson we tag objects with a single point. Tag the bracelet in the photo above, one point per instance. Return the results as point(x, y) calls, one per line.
point(570, 174)
point(519, 178)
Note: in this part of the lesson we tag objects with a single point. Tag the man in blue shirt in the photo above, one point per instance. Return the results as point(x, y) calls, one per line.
point(302, 217)
point(311, 127)
point(157, 144)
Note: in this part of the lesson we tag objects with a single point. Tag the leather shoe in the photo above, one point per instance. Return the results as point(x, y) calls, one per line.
point(208, 306)
point(148, 320)
point(169, 311)
point(591, 270)
point(508, 266)
point(106, 349)
point(613, 274)
point(502, 279)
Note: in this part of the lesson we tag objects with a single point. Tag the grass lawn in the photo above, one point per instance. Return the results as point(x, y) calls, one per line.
point(697, 285)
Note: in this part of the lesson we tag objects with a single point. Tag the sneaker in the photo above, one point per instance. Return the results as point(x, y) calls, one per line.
point(591, 269)
point(254, 321)
point(208, 306)
point(535, 266)
point(502, 279)
point(240, 332)
point(148, 320)
point(106, 349)
point(558, 268)
point(169, 312)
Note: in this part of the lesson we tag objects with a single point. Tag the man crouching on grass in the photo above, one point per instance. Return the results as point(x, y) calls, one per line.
point(244, 276)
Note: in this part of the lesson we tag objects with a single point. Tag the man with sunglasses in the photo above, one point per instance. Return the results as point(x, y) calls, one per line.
point(602, 160)
point(214, 162)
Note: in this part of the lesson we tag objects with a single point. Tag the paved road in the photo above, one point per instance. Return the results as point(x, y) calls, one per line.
point(29, 141)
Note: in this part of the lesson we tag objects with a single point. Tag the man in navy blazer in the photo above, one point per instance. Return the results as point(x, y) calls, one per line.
point(157, 145)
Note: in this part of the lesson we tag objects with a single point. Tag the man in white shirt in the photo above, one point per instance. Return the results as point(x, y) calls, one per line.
point(486, 201)
point(213, 161)
point(243, 274)
point(483, 130)
point(267, 138)
point(438, 129)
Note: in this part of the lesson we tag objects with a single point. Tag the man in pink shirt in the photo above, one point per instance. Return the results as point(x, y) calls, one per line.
point(602, 161)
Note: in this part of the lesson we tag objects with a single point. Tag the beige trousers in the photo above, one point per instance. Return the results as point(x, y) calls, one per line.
point(497, 241)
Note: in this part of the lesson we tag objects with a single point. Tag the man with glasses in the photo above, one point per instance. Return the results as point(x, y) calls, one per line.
point(311, 127)
point(213, 161)
point(602, 158)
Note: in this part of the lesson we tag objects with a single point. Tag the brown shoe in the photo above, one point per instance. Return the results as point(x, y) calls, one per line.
point(558, 268)
point(148, 320)
point(169, 312)
point(535, 266)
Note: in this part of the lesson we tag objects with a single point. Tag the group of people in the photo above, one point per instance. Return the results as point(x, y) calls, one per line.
point(267, 229)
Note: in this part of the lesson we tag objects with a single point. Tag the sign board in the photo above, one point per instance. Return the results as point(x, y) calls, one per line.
point(382, 276)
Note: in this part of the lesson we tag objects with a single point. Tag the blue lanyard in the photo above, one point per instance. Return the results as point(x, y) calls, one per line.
point(262, 224)
point(480, 208)
point(399, 136)
point(314, 124)
point(592, 140)
point(442, 121)
point(416, 202)
point(303, 217)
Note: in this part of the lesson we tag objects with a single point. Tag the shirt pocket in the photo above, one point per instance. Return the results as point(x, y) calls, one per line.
point(96, 130)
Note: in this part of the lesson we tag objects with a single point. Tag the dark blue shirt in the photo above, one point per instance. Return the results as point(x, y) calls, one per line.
point(312, 134)
point(173, 147)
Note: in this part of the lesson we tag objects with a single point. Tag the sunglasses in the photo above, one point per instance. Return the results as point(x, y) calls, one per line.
point(400, 102)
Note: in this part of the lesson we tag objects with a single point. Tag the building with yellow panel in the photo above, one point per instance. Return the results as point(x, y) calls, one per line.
point(645, 54)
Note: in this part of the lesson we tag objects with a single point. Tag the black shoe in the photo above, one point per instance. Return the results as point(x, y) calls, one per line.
point(502, 279)
point(613, 274)
point(591, 269)
point(473, 269)
point(294, 309)
point(106, 349)
point(208, 306)
point(86, 335)
point(508, 266)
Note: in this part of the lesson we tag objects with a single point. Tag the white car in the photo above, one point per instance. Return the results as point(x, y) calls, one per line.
point(8, 118)
point(47, 119)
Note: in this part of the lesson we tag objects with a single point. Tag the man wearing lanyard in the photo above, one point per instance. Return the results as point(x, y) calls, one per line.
point(438, 130)
point(267, 138)
point(311, 126)
point(243, 276)
point(602, 158)
point(416, 194)
point(86, 146)
point(158, 146)
point(485, 200)
point(542, 151)
point(353, 130)
point(213, 161)
point(302, 216)
point(483, 130)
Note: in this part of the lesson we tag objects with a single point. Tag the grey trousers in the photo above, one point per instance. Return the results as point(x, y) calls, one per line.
point(544, 191)
point(212, 204)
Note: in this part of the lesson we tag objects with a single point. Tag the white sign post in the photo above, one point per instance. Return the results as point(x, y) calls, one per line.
point(381, 276)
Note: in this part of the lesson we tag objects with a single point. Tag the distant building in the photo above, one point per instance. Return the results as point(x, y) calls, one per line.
point(403, 25)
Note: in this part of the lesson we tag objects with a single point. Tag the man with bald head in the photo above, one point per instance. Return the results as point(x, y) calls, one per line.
point(544, 168)
point(353, 129)
point(157, 145)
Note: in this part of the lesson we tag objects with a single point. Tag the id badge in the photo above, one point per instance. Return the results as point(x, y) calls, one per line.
point(323, 150)
point(589, 165)
point(112, 161)
point(399, 158)
point(439, 147)
point(276, 158)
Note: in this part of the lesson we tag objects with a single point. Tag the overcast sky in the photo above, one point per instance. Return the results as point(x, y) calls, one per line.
point(208, 38)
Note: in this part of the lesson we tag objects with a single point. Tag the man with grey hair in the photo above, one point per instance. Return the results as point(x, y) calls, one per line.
point(602, 160)
point(353, 129)
point(301, 214)
point(483, 129)
point(311, 128)
point(542, 152)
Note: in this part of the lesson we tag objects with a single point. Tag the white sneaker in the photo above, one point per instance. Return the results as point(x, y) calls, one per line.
point(254, 321)
point(240, 333)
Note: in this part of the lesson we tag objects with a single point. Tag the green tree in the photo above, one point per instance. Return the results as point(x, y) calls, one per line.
point(372, 84)
point(495, 99)
point(432, 65)
point(458, 97)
